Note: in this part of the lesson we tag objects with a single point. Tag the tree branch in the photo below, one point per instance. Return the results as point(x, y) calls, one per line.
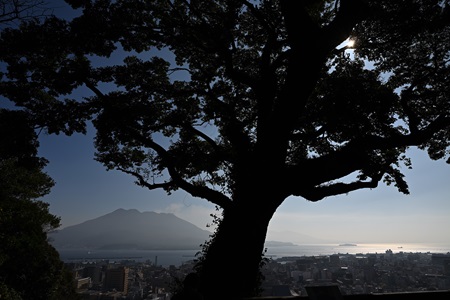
point(94, 89)
point(219, 151)
point(413, 122)
point(353, 157)
point(318, 193)
point(316, 171)
point(232, 72)
point(234, 129)
point(300, 27)
point(141, 181)
point(12, 10)
point(195, 190)
point(413, 139)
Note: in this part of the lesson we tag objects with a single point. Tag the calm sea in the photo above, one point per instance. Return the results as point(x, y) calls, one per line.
point(166, 258)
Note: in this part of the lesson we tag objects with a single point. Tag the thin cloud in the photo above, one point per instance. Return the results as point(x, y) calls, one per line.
point(198, 215)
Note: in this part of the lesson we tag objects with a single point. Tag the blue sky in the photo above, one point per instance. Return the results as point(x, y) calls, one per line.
point(85, 190)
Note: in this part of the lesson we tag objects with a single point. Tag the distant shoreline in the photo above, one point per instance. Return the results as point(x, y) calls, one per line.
point(178, 257)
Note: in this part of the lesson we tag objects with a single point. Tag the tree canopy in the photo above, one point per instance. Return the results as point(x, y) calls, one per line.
point(30, 268)
point(242, 103)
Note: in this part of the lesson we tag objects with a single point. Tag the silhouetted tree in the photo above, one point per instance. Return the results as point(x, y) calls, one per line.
point(242, 103)
point(30, 268)
point(14, 11)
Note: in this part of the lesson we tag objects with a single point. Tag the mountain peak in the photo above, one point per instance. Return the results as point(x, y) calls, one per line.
point(129, 228)
point(123, 210)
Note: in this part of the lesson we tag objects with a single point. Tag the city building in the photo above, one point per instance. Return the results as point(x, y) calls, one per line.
point(117, 279)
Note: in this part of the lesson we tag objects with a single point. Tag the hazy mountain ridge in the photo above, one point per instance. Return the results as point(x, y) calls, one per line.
point(131, 229)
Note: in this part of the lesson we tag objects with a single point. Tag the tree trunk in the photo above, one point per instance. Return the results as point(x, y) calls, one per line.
point(232, 261)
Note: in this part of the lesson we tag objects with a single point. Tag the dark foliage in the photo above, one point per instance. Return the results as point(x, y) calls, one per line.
point(30, 268)
point(242, 103)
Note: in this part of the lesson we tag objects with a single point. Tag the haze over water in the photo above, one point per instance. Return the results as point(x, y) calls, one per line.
point(166, 258)
point(328, 249)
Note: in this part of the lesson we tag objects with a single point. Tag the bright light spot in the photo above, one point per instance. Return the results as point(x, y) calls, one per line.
point(350, 43)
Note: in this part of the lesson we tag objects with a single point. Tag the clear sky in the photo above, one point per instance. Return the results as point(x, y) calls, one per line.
point(85, 190)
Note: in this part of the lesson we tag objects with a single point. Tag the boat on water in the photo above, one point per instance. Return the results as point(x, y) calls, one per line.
point(347, 245)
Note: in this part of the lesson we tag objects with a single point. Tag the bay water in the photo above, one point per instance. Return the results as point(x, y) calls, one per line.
point(166, 258)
